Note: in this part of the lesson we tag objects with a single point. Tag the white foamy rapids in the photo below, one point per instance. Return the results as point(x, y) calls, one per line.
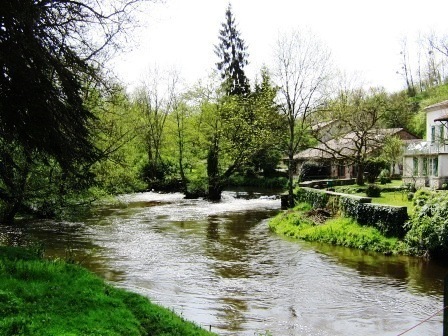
point(175, 207)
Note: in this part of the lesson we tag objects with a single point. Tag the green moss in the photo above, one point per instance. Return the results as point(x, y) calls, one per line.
point(39, 297)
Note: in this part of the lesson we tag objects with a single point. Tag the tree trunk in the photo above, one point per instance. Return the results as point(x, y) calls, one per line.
point(10, 211)
point(291, 180)
point(214, 181)
point(360, 174)
point(14, 202)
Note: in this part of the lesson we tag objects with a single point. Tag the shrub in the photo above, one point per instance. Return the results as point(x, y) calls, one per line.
point(428, 232)
point(273, 182)
point(197, 187)
point(421, 196)
point(384, 176)
point(373, 168)
point(373, 190)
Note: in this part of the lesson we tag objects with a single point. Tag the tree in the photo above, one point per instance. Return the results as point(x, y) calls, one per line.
point(117, 136)
point(392, 152)
point(49, 50)
point(361, 113)
point(400, 110)
point(233, 57)
point(234, 128)
point(156, 99)
point(270, 153)
point(303, 69)
point(406, 70)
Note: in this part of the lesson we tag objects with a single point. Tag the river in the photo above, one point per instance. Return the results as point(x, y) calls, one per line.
point(218, 265)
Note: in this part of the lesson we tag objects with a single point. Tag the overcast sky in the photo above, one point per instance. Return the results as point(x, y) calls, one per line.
point(363, 36)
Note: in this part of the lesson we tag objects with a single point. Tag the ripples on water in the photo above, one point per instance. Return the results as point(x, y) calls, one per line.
point(217, 264)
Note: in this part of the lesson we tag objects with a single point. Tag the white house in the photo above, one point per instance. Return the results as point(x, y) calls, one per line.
point(425, 162)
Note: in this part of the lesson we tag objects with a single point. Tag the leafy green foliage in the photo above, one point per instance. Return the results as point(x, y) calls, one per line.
point(339, 231)
point(428, 232)
point(258, 181)
point(373, 167)
point(400, 110)
point(234, 130)
point(373, 190)
point(117, 136)
point(39, 297)
point(420, 197)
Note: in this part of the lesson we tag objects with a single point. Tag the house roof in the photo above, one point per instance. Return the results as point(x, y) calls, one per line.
point(345, 145)
point(444, 118)
point(320, 125)
point(438, 106)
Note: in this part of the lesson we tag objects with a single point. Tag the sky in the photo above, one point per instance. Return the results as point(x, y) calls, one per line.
point(364, 36)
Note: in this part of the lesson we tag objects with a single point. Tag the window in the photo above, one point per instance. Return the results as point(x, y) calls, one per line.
point(425, 167)
point(441, 134)
point(435, 167)
point(341, 170)
point(415, 167)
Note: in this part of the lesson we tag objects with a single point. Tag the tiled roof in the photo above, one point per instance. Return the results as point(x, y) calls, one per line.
point(344, 146)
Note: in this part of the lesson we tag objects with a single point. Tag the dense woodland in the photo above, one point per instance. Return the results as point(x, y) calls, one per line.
point(70, 134)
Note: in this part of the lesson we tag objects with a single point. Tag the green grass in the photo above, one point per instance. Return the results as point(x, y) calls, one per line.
point(338, 231)
point(395, 198)
point(41, 297)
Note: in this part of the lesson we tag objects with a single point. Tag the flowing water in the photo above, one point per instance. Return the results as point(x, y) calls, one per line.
point(218, 265)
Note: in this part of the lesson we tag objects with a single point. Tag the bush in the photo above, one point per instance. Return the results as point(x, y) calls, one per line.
point(384, 176)
point(373, 190)
point(428, 234)
point(273, 182)
point(373, 168)
point(421, 197)
point(313, 170)
point(196, 188)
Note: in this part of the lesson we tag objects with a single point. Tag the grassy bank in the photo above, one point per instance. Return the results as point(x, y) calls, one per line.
point(41, 297)
point(337, 231)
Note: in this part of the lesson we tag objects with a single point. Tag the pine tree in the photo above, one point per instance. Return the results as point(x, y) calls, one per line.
point(232, 52)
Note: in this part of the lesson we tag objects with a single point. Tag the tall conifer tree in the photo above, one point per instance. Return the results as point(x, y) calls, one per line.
point(233, 57)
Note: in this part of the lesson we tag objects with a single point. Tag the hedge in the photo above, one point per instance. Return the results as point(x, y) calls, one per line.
point(314, 197)
point(389, 220)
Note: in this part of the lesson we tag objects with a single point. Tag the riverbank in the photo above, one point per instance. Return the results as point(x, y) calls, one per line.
point(52, 297)
point(300, 223)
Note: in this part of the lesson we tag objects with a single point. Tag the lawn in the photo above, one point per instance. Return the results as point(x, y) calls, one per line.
point(51, 297)
point(395, 198)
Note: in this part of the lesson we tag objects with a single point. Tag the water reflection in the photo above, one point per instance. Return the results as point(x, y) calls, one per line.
point(219, 265)
point(420, 275)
